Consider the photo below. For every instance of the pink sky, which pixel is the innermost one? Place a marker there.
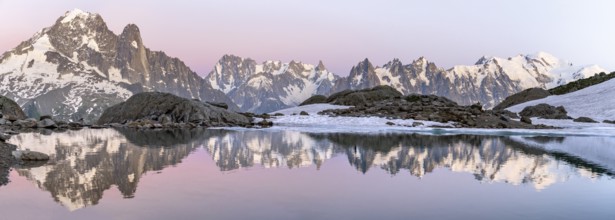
(342, 33)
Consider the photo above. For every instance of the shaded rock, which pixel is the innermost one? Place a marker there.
(390, 123)
(521, 97)
(303, 113)
(179, 110)
(4, 137)
(278, 114)
(526, 120)
(30, 155)
(585, 120)
(46, 123)
(10, 109)
(44, 117)
(416, 124)
(317, 99)
(361, 97)
(609, 121)
(218, 104)
(4, 122)
(27, 123)
(265, 124)
(545, 111)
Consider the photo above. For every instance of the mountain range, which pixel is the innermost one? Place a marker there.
(78, 67)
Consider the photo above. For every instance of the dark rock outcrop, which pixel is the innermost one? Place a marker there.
(521, 97)
(10, 110)
(545, 111)
(585, 120)
(149, 108)
(609, 121)
(317, 99)
(434, 108)
(364, 96)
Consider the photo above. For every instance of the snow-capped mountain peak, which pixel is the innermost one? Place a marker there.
(74, 14)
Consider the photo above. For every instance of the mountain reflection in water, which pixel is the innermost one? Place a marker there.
(85, 163)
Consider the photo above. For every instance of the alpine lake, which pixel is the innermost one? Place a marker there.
(285, 174)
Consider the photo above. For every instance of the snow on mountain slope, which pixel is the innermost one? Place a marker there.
(78, 67)
(271, 85)
(595, 102)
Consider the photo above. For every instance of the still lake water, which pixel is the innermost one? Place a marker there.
(260, 174)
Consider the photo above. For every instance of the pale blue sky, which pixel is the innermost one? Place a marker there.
(343, 32)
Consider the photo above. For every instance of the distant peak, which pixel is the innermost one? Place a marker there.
(421, 60)
(131, 28)
(482, 60)
(321, 66)
(75, 13)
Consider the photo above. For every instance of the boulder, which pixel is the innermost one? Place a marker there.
(28, 155)
(10, 109)
(609, 121)
(303, 113)
(317, 99)
(545, 111)
(521, 97)
(44, 117)
(585, 120)
(46, 123)
(180, 110)
(26, 123)
(4, 137)
(526, 120)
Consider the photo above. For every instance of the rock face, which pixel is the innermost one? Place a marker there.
(78, 67)
(521, 97)
(271, 85)
(431, 108)
(314, 100)
(585, 120)
(166, 108)
(545, 111)
(10, 110)
(364, 96)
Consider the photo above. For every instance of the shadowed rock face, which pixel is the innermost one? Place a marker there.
(155, 105)
(521, 97)
(545, 111)
(10, 109)
(78, 67)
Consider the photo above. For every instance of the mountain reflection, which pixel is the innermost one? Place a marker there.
(488, 158)
(85, 163)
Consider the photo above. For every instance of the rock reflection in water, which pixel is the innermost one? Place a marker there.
(86, 163)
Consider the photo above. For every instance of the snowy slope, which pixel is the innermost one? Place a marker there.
(595, 102)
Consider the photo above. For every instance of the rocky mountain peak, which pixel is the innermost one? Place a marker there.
(321, 66)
